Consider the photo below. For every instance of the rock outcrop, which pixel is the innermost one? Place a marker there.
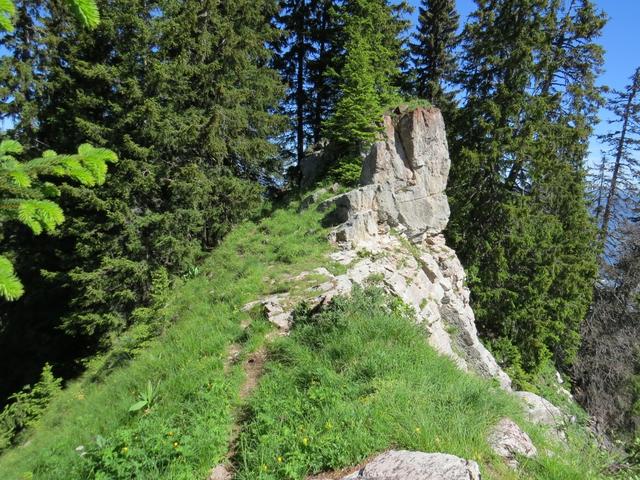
(389, 232)
(405, 465)
(395, 220)
(403, 182)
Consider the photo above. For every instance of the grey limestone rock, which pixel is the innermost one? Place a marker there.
(405, 465)
(508, 441)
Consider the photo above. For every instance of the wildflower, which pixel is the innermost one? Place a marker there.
(305, 441)
(175, 444)
(125, 450)
(264, 468)
(170, 434)
(279, 459)
(417, 429)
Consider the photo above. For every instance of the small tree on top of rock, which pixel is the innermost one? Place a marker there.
(368, 79)
(432, 52)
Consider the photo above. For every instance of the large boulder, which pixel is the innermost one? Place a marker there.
(405, 465)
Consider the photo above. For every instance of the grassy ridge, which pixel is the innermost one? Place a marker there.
(359, 378)
(353, 381)
(186, 430)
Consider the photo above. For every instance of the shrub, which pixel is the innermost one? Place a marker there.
(27, 406)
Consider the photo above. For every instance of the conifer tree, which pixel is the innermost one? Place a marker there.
(432, 52)
(305, 53)
(524, 232)
(183, 93)
(622, 166)
(292, 61)
(370, 77)
(24, 197)
(327, 41)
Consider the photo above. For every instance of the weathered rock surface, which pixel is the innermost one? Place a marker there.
(508, 441)
(541, 411)
(404, 177)
(405, 465)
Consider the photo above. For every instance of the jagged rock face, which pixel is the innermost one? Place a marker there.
(403, 180)
(405, 465)
(409, 169)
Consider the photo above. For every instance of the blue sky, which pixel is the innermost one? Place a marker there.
(620, 38)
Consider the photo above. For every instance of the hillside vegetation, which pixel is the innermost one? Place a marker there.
(354, 380)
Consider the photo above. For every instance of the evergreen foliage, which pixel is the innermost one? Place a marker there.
(369, 78)
(433, 52)
(27, 406)
(519, 214)
(307, 50)
(30, 204)
(183, 93)
(25, 197)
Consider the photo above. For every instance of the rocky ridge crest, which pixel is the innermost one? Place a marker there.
(395, 220)
(389, 231)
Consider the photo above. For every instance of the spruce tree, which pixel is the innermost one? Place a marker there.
(183, 93)
(369, 79)
(432, 52)
(291, 61)
(304, 54)
(24, 196)
(327, 39)
(524, 231)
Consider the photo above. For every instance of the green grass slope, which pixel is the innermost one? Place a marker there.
(355, 380)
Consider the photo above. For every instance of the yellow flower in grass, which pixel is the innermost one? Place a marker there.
(280, 459)
(417, 429)
(125, 450)
(175, 444)
(170, 434)
(305, 441)
(264, 468)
